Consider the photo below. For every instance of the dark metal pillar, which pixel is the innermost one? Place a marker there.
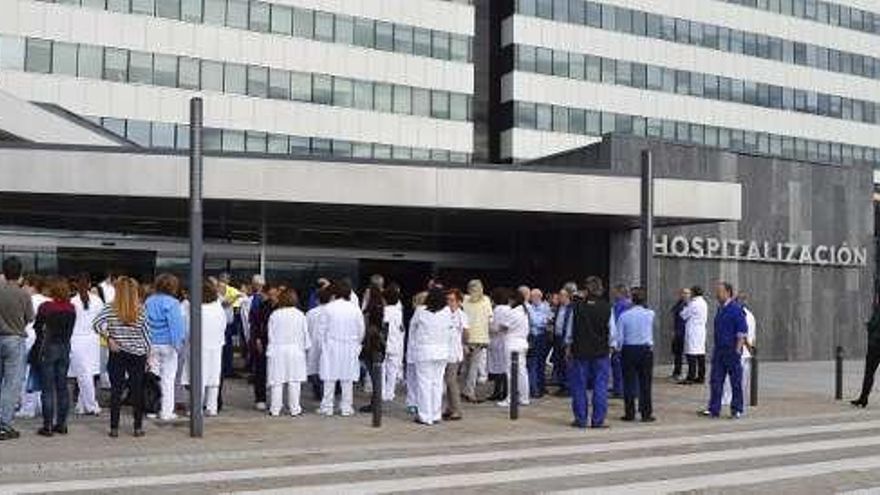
(196, 256)
(647, 224)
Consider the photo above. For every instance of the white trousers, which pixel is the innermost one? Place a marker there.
(390, 374)
(345, 403)
(277, 396)
(86, 403)
(211, 394)
(476, 371)
(727, 393)
(412, 386)
(430, 384)
(164, 358)
(522, 377)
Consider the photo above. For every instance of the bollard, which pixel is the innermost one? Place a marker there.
(753, 380)
(513, 386)
(376, 402)
(838, 373)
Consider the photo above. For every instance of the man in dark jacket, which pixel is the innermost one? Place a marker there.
(678, 335)
(587, 348)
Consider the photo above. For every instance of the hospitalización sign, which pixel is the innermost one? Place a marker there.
(719, 248)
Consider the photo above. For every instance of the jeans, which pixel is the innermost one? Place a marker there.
(559, 366)
(53, 364)
(677, 353)
(126, 369)
(11, 379)
(165, 357)
(581, 372)
(638, 369)
(726, 364)
(536, 362)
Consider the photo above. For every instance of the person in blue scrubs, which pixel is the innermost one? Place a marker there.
(561, 327)
(731, 330)
(539, 317)
(635, 331)
(622, 302)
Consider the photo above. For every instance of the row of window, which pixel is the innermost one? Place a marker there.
(640, 23)
(176, 136)
(653, 77)
(820, 11)
(555, 118)
(274, 18)
(114, 64)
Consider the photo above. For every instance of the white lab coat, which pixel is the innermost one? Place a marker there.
(695, 315)
(429, 335)
(751, 324)
(496, 355)
(317, 322)
(394, 318)
(288, 342)
(459, 321)
(213, 340)
(341, 344)
(85, 345)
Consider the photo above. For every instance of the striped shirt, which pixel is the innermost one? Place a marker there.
(133, 339)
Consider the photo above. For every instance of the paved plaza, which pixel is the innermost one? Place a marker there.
(798, 440)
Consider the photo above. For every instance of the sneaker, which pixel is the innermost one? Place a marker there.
(347, 413)
(503, 403)
(707, 414)
(210, 414)
(412, 410)
(152, 416)
(296, 412)
(8, 433)
(325, 412)
(260, 406)
(274, 414)
(737, 415)
(170, 417)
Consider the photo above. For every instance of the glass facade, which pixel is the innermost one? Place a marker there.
(590, 122)
(284, 20)
(131, 66)
(830, 13)
(571, 65)
(640, 23)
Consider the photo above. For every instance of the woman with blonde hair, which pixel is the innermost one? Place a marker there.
(124, 324)
(478, 310)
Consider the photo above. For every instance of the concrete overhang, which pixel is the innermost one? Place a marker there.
(113, 172)
(40, 124)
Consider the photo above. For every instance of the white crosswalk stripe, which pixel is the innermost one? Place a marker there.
(470, 470)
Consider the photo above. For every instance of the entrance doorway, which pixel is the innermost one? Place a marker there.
(412, 276)
(98, 262)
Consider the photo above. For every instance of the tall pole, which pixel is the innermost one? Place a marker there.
(196, 257)
(647, 223)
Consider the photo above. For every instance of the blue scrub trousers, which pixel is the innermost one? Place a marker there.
(536, 361)
(616, 374)
(559, 366)
(638, 369)
(726, 364)
(580, 373)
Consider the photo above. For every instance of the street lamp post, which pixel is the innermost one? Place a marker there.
(196, 256)
(646, 222)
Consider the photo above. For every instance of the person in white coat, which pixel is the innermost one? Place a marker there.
(695, 315)
(213, 340)
(747, 350)
(85, 346)
(429, 347)
(317, 322)
(340, 349)
(511, 322)
(286, 353)
(391, 367)
(30, 401)
(496, 362)
(410, 375)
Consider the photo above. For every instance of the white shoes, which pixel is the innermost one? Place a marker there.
(325, 412)
(260, 406)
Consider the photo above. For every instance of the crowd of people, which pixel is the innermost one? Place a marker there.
(120, 333)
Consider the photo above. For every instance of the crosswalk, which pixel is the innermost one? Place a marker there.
(809, 456)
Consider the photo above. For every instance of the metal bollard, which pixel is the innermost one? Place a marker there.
(753, 382)
(838, 373)
(376, 401)
(514, 386)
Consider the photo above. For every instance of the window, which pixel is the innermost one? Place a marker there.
(138, 132)
(163, 135)
(623, 73)
(277, 144)
(440, 45)
(344, 29)
(299, 145)
(594, 14)
(384, 36)
(12, 53)
(322, 89)
(682, 82)
(279, 84)
(655, 78)
(608, 70)
(459, 47)
(255, 142)
(576, 121)
(343, 92)
(303, 23)
(191, 10)
(170, 9)
(363, 95)
(440, 104)
(341, 148)
(118, 6)
(594, 123)
(639, 76)
(215, 12)
(458, 107)
(140, 67)
(593, 68)
(363, 33)
(560, 63)
(362, 150)
(259, 19)
(64, 58)
(382, 97)
(282, 19)
(654, 26)
(544, 9)
(543, 117)
(525, 115)
(323, 26)
(576, 66)
(165, 70)
(89, 61)
(607, 122)
(560, 119)
(212, 76)
(38, 56)
(623, 20)
(421, 102)
(115, 64)
(233, 140)
(403, 39)
(422, 42)
(608, 16)
(322, 147)
(560, 10)
(237, 14)
(402, 99)
(682, 31)
(143, 7)
(235, 79)
(544, 60)
(668, 80)
(526, 7)
(212, 139)
(188, 73)
(525, 58)
(301, 86)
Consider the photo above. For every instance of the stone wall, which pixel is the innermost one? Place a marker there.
(802, 311)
